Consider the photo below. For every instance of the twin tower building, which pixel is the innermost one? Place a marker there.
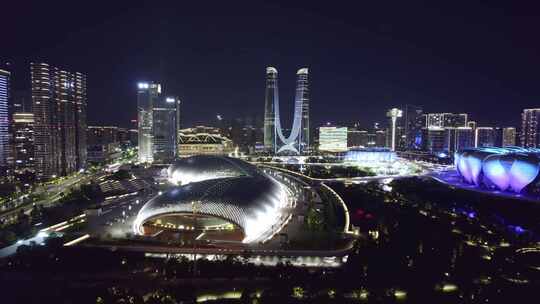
(296, 141)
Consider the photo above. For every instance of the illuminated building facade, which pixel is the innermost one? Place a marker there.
(357, 138)
(59, 107)
(298, 140)
(413, 121)
(23, 142)
(333, 139)
(530, 128)
(101, 135)
(4, 117)
(164, 119)
(269, 111)
(510, 169)
(203, 141)
(508, 137)
(446, 120)
(434, 139)
(103, 144)
(302, 94)
(147, 95)
(484, 137)
(457, 139)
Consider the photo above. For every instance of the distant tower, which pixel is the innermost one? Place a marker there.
(271, 95)
(413, 126)
(302, 94)
(298, 139)
(393, 114)
(530, 128)
(147, 97)
(164, 117)
(4, 119)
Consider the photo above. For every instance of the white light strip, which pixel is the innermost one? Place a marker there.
(77, 240)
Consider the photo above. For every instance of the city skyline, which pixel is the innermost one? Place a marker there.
(146, 155)
(386, 80)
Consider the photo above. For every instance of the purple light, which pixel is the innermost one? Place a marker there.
(522, 173)
(519, 230)
(496, 172)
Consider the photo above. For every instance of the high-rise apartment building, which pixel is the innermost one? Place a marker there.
(530, 128)
(147, 95)
(457, 139)
(59, 107)
(484, 137)
(508, 137)
(23, 142)
(4, 118)
(101, 135)
(446, 120)
(164, 115)
(434, 139)
(505, 137)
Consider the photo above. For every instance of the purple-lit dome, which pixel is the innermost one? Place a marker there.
(506, 169)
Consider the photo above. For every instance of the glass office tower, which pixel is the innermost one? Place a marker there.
(147, 95)
(164, 128)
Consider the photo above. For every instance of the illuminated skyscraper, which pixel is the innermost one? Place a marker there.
(59, 106)
(302, 94)
(23, 142)
(457, 139)
(484, 137)
(164, 117)
(508, 137)
(530, 126)
(4, 118)
(299, 138)
(269, 112)
(147, 96)
(412, 126)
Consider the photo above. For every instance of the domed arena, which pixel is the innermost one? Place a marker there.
(512, 169)
(215, 198)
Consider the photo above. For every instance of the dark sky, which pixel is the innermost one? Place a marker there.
(483, 59)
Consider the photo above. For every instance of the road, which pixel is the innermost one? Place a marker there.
(53, 193)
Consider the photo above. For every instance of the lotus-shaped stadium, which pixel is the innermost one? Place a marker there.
(505, 169)
(216, 198)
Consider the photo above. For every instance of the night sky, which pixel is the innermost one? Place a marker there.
(483, 59)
